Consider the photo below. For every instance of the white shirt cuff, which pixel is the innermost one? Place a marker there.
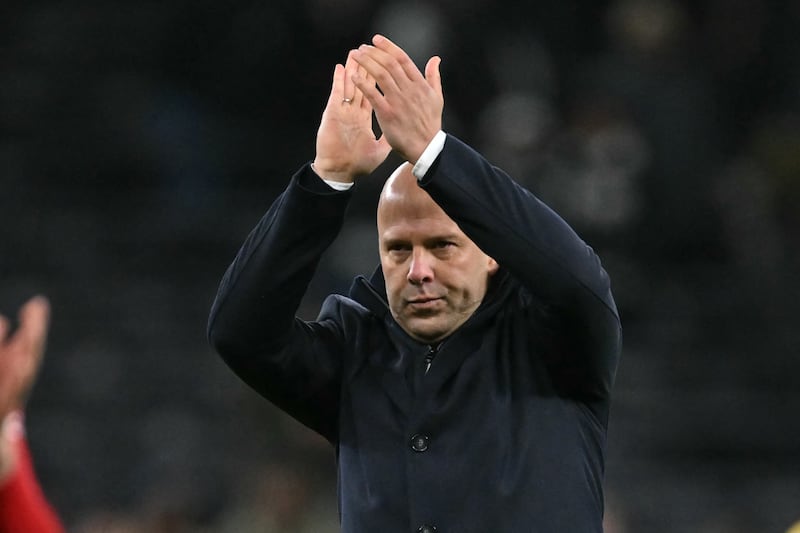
(338, 185)
(430, 154)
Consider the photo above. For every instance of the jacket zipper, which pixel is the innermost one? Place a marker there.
(432, 351)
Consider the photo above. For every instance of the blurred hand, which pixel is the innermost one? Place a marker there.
(408, 105)
(346, 143)
(20, 357)
(21, 353)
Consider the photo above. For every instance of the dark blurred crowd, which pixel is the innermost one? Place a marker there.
(139, 142)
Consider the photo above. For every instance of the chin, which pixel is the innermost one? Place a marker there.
(428, 336)
(424, 329)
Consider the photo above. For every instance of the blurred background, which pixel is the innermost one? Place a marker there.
(140, 141)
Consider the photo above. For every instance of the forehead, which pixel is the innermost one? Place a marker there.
(413, 215)
(420, 230)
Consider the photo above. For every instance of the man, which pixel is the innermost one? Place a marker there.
(23, 506)
(465, 385)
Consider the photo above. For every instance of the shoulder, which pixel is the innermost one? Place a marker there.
(345, 311)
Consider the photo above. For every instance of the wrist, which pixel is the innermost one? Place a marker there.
(12, 430)
(329, 174)
(429, 155)
(416, 152)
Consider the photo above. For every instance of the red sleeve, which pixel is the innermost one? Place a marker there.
(23, 506)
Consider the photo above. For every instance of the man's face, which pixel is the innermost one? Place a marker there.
(436, 277)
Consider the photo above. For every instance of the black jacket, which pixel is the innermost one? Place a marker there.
(506, 432)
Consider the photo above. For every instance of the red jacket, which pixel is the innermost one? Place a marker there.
(23, 506)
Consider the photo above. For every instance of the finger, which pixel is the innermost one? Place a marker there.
(382, 67)
(366, 84)
(34, 320)
(402, 59)
(433, 75)
(362, 100)
(348, 89)
(337, 85)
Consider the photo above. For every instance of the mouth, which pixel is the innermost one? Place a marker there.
(424, 303)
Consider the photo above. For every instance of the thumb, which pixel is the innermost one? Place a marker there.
(34, 320)
(383, 146)
(432, 74)
(4, 327)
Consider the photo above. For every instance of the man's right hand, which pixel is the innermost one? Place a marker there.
(408, 105)
(347, 147)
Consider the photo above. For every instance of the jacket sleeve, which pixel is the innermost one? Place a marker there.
(23, 505)
(540, 249)
(252, 324)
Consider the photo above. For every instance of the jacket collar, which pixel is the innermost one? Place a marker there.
(403, 383)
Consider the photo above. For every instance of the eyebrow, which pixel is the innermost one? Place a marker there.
(387, 241)
(445, 237)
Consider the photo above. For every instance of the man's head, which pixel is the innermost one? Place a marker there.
(436, 277)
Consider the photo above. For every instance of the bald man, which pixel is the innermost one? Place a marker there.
(435, 276)
(465, 384)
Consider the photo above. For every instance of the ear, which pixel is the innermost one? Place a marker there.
(493, 266)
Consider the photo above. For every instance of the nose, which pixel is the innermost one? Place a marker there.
(421, 269)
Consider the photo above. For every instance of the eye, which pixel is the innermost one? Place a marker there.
(443, 249)
(398, 249)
